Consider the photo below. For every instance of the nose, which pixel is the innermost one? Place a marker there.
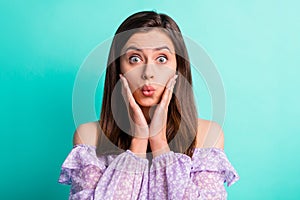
(148, 72)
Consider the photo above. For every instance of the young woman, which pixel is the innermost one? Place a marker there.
(148, 143)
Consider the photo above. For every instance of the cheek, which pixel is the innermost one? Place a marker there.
(161, 74)
(123, 68)
(164, 74)
(133, 77)
(124, 65)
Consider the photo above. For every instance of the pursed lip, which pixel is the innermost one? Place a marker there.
(148, 88)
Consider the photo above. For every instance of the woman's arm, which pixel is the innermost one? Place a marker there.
(138, 123)
(158, 127)
(139, 147)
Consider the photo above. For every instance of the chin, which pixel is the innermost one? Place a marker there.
(147, 102)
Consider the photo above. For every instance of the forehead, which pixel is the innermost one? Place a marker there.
(150, 40)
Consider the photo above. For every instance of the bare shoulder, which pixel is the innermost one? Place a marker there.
(87, 133)
(209, 128)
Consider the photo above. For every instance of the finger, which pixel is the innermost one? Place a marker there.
(168, 92)
(127, 92)
(167, 95)
(170, 81)
(138, 123)
(124, 92)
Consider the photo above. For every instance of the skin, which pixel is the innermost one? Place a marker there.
(148, 59)
(148, 114)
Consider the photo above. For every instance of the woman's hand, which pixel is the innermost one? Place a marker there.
(158, 138)
(138, 123)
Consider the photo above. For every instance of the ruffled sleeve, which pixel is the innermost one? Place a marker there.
(82, 170)
(93, 177)
(214, 160)
(210, 170)
(177, 176)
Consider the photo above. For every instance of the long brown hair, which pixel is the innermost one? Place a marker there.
(182, 112)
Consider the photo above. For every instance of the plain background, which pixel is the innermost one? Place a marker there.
(254, 44)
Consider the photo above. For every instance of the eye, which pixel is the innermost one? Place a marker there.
(134, 59)
(162, 59)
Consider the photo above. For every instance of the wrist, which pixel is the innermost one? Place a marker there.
(139, 146)
(158, 141)
(159, 147)
(161, 151)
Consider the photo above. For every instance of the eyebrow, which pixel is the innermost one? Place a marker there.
(139, 49)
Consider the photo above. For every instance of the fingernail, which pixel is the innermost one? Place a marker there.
(175, 76)
(169, 86)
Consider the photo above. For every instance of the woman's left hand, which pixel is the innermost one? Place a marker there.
(157, 130)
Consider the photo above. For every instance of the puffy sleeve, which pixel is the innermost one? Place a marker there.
(177, 176)
(112, 177)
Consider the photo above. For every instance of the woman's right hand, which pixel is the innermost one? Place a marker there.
(138, 124)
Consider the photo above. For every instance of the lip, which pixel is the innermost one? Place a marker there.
(148, 90)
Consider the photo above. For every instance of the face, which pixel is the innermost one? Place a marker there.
(148, 61)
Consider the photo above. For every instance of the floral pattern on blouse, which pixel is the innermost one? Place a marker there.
(126, 176)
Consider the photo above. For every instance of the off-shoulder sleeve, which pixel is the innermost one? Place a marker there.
(176, 175)
(92, 177)
(210, 170)
(214, 160)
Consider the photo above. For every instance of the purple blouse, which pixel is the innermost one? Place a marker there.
(127, 176)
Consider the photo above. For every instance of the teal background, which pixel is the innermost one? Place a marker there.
(254, 44)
